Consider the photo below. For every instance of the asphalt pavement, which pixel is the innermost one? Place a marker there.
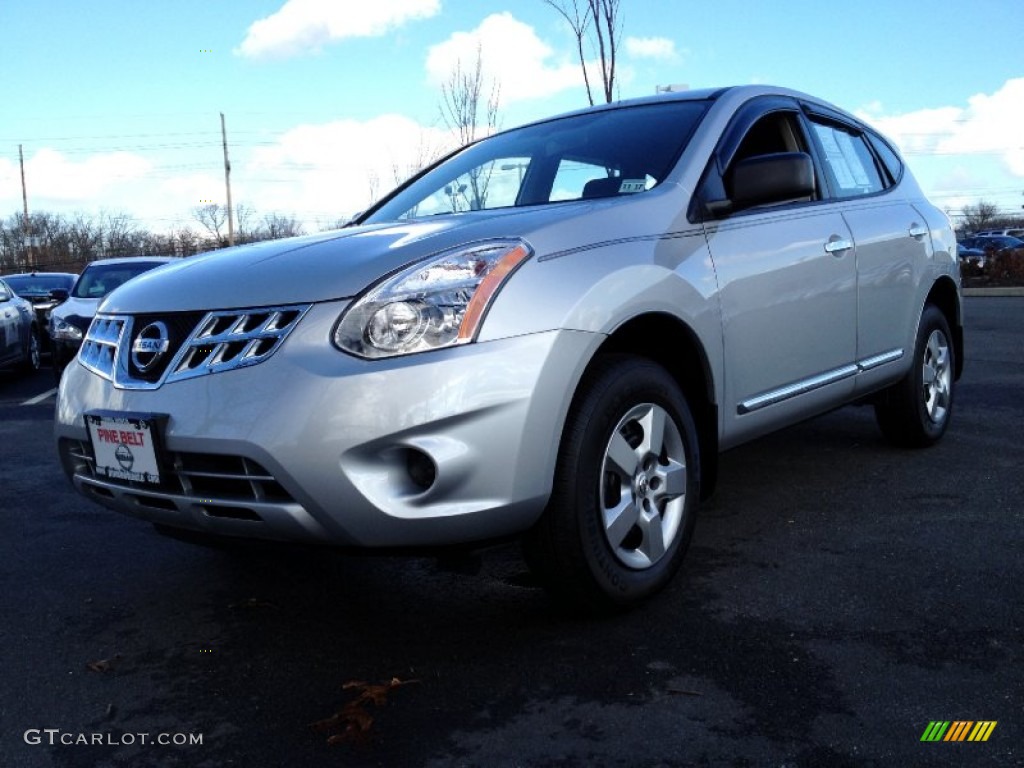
(839, 597)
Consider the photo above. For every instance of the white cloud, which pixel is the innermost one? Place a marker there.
(513, 55)
(335, 169)
(320, 173)
(301, 26)
(52, 176)
(183, 193)
(10, 183)
(990, 124)
(650, 48)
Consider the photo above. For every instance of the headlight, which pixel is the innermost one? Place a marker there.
(435, 303)
(64, 331)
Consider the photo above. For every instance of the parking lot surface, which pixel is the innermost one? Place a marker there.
(839, 596)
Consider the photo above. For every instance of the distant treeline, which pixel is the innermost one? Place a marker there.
(54, 242)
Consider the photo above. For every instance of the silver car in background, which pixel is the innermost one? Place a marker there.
(551, 333)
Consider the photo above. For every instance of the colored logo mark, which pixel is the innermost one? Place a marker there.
(959, 730)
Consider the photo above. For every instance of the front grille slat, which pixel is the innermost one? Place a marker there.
(197, 344)
(227, 476)
(223, 478)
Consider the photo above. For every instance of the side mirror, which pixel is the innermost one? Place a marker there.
(59, 294)
(775, 178)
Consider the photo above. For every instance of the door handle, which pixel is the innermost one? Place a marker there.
(916, 230)
(837, 245)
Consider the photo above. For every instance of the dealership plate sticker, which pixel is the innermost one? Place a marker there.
(124, 446)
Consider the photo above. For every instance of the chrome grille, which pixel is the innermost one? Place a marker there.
(226, 340)
(199, 345)
(100, 348)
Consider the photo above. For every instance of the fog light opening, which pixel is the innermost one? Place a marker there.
(421, 468)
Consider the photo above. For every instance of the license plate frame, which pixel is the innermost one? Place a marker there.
(127, 446)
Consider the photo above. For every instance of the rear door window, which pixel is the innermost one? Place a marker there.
(848, 161)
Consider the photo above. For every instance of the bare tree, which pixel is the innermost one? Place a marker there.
(276, 226)
(979, 216)
(85, 237)
(461, 105)
(462, 97)
(121, 235)
(597, 23)
(213, 217)
(373, 182)
(246, 226)
(186, 242)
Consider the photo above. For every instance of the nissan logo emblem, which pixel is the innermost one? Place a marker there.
(150, 345)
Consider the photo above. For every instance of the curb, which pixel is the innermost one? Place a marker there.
(1000, 291)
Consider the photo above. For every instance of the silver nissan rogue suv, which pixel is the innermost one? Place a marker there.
(551, 333)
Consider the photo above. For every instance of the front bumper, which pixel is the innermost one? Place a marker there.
(432, 449)
(63, 351)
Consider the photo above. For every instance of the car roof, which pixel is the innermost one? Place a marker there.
(132, 259)
(40, 274)
(739, 92)
(699, 94)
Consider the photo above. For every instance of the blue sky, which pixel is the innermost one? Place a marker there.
(327, 102)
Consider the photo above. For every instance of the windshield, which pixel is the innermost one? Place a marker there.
(100, 279)
(39, 285)
(605, 153)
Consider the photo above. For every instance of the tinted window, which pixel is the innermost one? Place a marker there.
(848, 161)
(625, 151)
(38, 284)
(100, 279)
(888, 156)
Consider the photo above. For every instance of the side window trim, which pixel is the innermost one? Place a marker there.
(890, 176)
(745, 119)
(877, 144)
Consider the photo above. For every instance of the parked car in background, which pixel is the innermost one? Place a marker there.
(70, 320)
(550, 333)
(973, 257)
(1017, 232)
(19, 331)
(44, 290)
(995, 243)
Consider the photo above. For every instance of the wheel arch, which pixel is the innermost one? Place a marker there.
(946, 297)
(670, 342)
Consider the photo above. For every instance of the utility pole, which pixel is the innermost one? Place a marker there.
(227, 182)
(30, 258)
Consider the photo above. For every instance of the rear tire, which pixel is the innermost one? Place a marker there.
(626, 489)
(915, 412)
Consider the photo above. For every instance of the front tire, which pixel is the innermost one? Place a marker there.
(33, 357)
(915, 412)
(626, 488)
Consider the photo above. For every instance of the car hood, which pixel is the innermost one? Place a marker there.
(296, 270)
(314, 268)
(75, 307)
(36, 297)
